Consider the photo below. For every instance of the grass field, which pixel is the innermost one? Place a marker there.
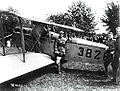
(70, 80)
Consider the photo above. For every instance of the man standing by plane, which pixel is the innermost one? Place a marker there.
(109, 52)
(60, 50)
(114, 59)
(115, 63)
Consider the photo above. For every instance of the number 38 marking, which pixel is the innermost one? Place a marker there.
(89, 53)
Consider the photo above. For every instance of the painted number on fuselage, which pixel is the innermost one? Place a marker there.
(81, 51)
(97, 52)
(89, 53)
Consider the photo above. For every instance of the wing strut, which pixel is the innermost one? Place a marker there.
(2, 32)
(22, 38)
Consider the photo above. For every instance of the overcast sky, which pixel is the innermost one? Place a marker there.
(43, 8)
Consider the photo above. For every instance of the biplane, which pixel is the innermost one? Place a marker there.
(76, 49)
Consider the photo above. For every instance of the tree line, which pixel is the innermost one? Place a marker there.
(78, 15)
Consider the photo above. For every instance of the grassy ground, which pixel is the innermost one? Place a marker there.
(70, 80)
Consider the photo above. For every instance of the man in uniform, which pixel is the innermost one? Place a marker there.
(115, 63)
(109, 52)
(114, 59)
(60, 50)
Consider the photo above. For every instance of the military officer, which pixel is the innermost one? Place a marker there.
(115, 62)
(60, 50)
(109, 52)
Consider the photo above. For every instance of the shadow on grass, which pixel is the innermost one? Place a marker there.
(92, 78)
(86, 73)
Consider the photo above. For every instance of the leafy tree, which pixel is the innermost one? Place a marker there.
(111, 17)
(82, 17)
(78, 15)
(61, 18)
(9, 21)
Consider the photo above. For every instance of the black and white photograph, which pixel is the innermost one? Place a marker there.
(60, 45)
